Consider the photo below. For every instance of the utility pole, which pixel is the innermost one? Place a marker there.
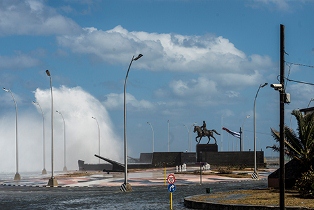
(282, 118)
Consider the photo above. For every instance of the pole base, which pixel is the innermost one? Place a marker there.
(52, 182)
(17, 177)
(255, 176)
(65, 169)
(44, 171)
(126, 187)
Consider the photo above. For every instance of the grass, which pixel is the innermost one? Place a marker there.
(263, 197)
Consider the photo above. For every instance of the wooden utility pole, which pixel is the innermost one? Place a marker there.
(282, 118)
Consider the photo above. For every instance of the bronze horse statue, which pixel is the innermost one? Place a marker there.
(208, 133)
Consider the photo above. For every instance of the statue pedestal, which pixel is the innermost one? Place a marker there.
(202, 149)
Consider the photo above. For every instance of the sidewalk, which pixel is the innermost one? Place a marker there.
(148, 177)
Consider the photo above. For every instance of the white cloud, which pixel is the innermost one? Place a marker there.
(278, 4)
(300, 92)
(238, 80)
(227, 113)
(116, 101)
(32, 17)
(232, 94)
(198, 54)
(199, 86)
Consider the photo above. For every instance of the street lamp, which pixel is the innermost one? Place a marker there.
(260, 86)
(126, 186)
(242, 136)
(44, 161)
(17, 176)
(312, 99)
(98, 138)
(189, 142)
(64, 143)
(153, 133)
(168, 135)
(189, 135)
(52, 181)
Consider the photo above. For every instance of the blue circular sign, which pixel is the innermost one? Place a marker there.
(171, 188)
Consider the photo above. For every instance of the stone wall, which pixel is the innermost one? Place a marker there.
(242, 159)
(209, 153)
(170, 159)
(188, 158)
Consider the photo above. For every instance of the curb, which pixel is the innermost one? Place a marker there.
(45, 186)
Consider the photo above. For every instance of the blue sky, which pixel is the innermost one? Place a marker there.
(203, 60)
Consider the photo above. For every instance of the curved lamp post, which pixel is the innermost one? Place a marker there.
(98, 138)
(17, 176)
(312, 99)
(64, 143)
(153, 134)
(52, 181)
(189, 141)
(242, 129)
(168, 135)
(126, 185)
(44, 161)
(189, 135)
(260, 86)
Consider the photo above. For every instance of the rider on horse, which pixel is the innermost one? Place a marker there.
(204, 128)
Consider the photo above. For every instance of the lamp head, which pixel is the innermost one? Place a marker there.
(6, 90)
(138, 57)
(48, 73)
(264, 84)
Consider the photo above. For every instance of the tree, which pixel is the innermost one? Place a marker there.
(300, 145)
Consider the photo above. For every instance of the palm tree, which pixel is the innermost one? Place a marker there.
(300, 145)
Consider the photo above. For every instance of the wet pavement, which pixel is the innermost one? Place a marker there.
(102, 191)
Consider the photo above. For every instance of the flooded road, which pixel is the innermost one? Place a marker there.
(142, 197)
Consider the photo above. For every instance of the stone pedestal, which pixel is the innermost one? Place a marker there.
(202, 149)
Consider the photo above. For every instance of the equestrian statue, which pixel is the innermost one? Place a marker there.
(202, 131)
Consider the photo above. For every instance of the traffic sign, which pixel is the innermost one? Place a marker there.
(171, 188)
(171, 179)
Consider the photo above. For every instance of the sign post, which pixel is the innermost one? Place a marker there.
(201, 165)
(165, 174)
(171, 187)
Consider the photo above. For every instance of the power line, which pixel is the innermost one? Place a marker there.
(300, 64)
(297, 64)
(291, 80)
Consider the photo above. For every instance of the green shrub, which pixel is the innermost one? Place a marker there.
(305, 185)
(225, 170)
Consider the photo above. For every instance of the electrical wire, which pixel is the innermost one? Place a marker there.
(306, 83)
(289, 64)
(300, 64)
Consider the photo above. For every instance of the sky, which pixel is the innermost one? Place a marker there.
(202, 61)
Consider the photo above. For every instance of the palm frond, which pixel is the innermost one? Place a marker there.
(300, 144)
